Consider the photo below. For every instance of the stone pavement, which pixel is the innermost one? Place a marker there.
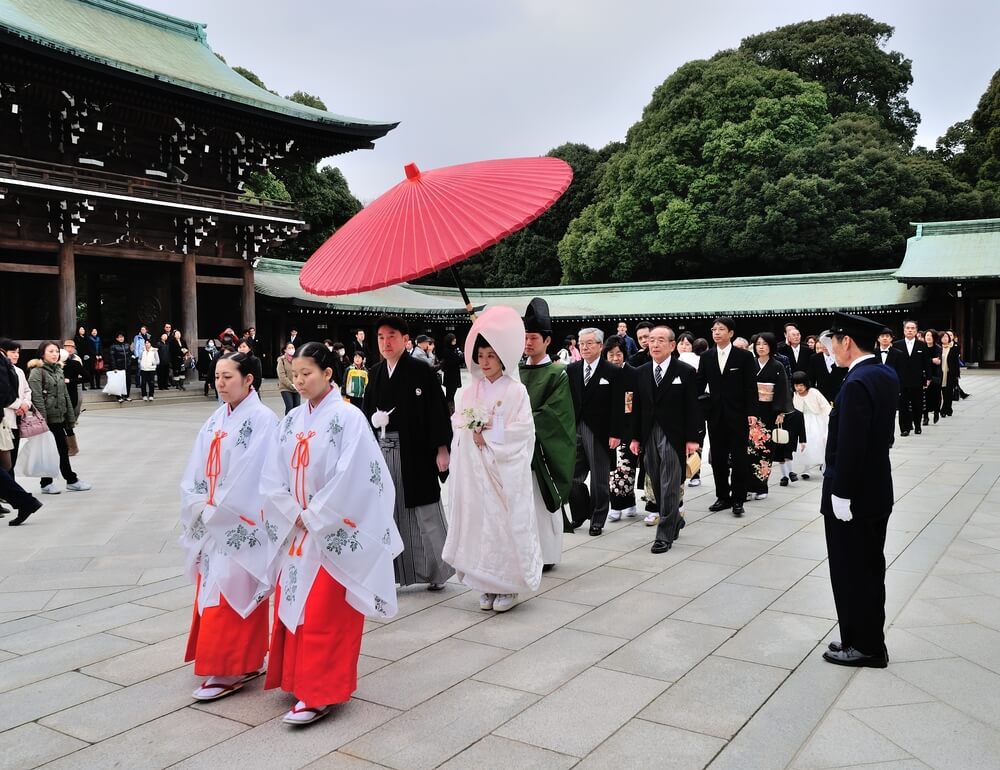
(705, 656)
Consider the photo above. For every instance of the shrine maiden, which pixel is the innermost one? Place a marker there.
(493, 540)
(326, 479)
(230, 545)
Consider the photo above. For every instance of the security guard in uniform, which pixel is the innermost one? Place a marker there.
(857, 492)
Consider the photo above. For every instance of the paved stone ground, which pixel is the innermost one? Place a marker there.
(705, 656)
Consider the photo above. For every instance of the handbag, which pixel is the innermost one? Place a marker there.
(72, 445)
(99, 364)
(33, 424)
(779, 436)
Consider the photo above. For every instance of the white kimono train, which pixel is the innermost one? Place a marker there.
(493, 540)
(326, 467)
(228, 541)
(816, 415)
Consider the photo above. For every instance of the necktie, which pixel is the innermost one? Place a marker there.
(722, 361)
(586, 375)
(658, 375)
(885, 355)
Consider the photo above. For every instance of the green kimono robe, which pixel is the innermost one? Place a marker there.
(555, 430)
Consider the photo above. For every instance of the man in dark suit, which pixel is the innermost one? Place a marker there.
(666, 422)
(857, 492)
(914, 375)
(824, 374)
(599, 404)
(886, 353)
(731, 376)
(642, 330)
(798, 355)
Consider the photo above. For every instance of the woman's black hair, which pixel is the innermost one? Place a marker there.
(7, 345)
(800, 378)
(612, 342)
(243, 363)
(686, 336)
(246, 341)
(482, 342)
(768, 338)
(323, 357)
(700, 345)
(449, 339)
(43, 345)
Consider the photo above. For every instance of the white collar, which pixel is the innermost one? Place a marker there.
(545, 360)
(859, 359)
(724, 351)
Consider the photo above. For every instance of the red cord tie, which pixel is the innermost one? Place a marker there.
(300, 461)
(213, 465)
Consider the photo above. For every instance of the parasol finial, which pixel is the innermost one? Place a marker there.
(412, 172)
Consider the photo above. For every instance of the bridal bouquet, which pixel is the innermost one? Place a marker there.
(475, 418)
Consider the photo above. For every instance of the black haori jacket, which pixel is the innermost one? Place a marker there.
(421, 418)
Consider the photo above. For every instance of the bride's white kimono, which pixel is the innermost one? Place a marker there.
(493, 540)
(230, 544)
(326, 467)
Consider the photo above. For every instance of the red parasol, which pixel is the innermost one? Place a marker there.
(433, 220)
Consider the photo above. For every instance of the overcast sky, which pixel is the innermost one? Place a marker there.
(476, 79)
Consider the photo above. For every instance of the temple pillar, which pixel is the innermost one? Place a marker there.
(189, 301)
(249, 303)
(67, 291)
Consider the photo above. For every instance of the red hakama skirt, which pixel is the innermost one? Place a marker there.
(319, 662)
(222, 643)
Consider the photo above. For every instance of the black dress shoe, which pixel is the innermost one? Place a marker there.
(917, 430)
(720, 505)
(905, 433)
(783, 482)
(660, 546)
(834, 647)
(855, 658)
(547, 567)
(793, 477)
(24, 512)
(738, 509)
(681, 524)
(595, 531)
(936, 418)
(926, 422)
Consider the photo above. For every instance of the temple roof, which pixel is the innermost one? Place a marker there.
(160, 47)
(950, 252)
(862, 291)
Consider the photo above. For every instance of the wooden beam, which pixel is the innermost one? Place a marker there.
(67, 289)
(249, 304)
(189, 300)
(51, 247)
(18, 267)
(148, 255)
(219, 280)
(220, 261)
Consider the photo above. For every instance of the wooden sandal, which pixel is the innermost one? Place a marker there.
(308, 714)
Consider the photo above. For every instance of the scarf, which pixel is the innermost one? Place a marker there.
(944, 364)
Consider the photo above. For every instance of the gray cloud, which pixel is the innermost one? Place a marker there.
(471, 79)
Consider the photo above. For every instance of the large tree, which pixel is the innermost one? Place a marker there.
(845, 55)
(971, 148)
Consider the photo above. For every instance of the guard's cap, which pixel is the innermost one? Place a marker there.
(862, 330)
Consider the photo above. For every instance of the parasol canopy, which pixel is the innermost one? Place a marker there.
(433, 220)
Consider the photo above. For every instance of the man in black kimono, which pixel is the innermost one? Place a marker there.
(406, 406)
(857, 492)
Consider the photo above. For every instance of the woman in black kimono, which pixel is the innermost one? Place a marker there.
(932, 393)
(773, 400)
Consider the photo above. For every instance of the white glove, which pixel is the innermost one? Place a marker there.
(842, 508)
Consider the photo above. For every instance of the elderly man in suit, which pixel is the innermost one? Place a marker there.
(857, 492)
(730, 375)
(666, 421)
(599, 405)
(914, 375)
(798, 355)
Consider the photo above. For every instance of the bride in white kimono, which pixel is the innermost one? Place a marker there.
(326, 477)
(230, 545)
(493, 540)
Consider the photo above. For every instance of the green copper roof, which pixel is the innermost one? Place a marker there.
(869, 290)
(951, 252)
(150, 44)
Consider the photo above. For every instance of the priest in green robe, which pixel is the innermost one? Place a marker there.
(555, 429)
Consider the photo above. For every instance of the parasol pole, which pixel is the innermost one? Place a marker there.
(465, 294)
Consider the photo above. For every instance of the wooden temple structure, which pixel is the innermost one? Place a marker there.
(125, 146)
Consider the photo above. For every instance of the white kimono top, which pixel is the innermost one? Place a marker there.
(229, 543)
(327, 467)
(493, 540)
